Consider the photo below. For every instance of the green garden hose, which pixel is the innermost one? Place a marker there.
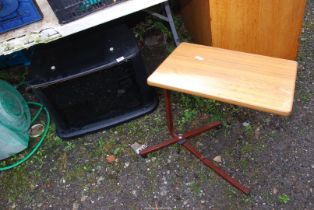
(41, 108)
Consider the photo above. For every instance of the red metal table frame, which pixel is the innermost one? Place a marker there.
(182, 140)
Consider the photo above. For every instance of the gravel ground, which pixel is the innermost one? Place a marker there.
(270, 154)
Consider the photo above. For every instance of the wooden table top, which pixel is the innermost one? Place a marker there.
(249, 80)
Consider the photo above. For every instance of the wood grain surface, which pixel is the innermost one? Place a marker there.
(196, 18)
(266, 27)
(254, 81)
(258, 26)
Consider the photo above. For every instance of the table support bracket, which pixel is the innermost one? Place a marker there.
(183, 141)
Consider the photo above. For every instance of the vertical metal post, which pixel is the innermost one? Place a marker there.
(169, 113)
(181, 139)
(171, 23)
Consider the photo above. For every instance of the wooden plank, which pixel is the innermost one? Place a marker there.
(254, 81)
(264, 27)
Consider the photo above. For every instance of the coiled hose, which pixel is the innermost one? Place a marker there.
(29, 155)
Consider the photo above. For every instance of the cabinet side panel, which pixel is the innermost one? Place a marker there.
(196, 17)
(258, 26)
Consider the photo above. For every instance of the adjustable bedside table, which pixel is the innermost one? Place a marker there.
(253, 81)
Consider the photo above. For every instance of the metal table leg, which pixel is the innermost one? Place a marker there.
(168, 18)
(182, 140)
(171, 23)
